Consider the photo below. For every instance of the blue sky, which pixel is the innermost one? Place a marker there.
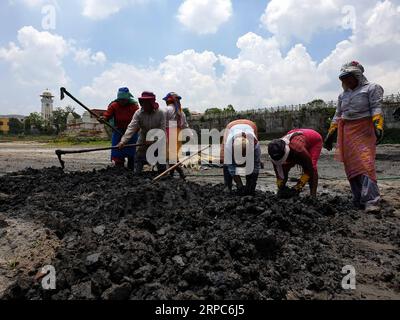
(141, 35)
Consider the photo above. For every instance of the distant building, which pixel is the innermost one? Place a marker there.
(196, 115)
(88, 126)
(47, 105)
(14, 116)
(4, 125)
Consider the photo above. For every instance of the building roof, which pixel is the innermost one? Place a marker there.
(98, 112)
(47, 94)
(15, 116)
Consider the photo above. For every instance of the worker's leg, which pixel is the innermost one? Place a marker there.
(228, 180)
(251, 183)
(118, 162)
(370, 195)
(356, 188)
(181, 173)
(140, 160)
(131, 163)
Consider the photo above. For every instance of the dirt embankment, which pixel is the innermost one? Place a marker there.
(115, 236)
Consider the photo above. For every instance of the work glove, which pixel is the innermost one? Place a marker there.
(280, 184)
(305, 178)
(102, 119)
(121, 145)
(328, 144)
(378, 124)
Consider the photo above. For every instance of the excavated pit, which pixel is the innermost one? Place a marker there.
(122, 237)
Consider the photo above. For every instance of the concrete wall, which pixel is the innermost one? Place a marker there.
(281, 120)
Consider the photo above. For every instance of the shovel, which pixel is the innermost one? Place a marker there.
(60, 153)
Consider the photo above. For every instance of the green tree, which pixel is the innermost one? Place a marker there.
(59, 119)
(187, 112)
(317, 103)
(230, 109)
(213, 111)
(16, 126)
(35, 121)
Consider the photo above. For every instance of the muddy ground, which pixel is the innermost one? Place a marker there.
(112, 236)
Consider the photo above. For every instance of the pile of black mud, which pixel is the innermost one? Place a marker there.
(126, 238)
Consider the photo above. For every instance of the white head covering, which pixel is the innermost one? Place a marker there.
(356, 69)
(279, 163)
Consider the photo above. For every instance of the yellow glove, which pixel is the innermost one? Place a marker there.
(333, 128)
(378, 121)
(305, 178)
(378, 124)
(328, 143)
(280, 183)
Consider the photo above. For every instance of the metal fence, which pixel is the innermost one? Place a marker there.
(317, 105)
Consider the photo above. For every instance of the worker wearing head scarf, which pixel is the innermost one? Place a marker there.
(359, 125)
(149, 117)
(176, 122)
(299, 147)
(241, 136)
(121, 111)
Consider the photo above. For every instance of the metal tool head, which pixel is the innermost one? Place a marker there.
(62, 93)
(59, 153)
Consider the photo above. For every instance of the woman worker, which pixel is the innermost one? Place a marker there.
(122, 111)
(359, 123)
(176, 122)
(149, 117)
(299, 147)
(240, 136)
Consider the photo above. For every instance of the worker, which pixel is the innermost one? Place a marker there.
(241, 135)
(359, 125)
(122, 111)
(299, 147)
(149, 117)
(176, 122)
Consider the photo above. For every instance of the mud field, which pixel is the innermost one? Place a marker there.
(110, 235)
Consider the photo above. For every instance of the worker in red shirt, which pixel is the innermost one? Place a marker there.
(122, 111)
(299, 147)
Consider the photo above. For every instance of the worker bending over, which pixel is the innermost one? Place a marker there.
(147, 118)
(241, 135)
(299, 147)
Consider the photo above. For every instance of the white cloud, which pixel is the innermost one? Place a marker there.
(302, 19)
(85, 57)
(101, 9)
(37, 58)
(261, 75)
(36, 61)
(204, 16)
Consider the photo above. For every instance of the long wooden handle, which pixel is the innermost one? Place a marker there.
(178, 164)
(64, 91)
(94, 150)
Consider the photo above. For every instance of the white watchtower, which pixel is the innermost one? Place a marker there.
(47, 105)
